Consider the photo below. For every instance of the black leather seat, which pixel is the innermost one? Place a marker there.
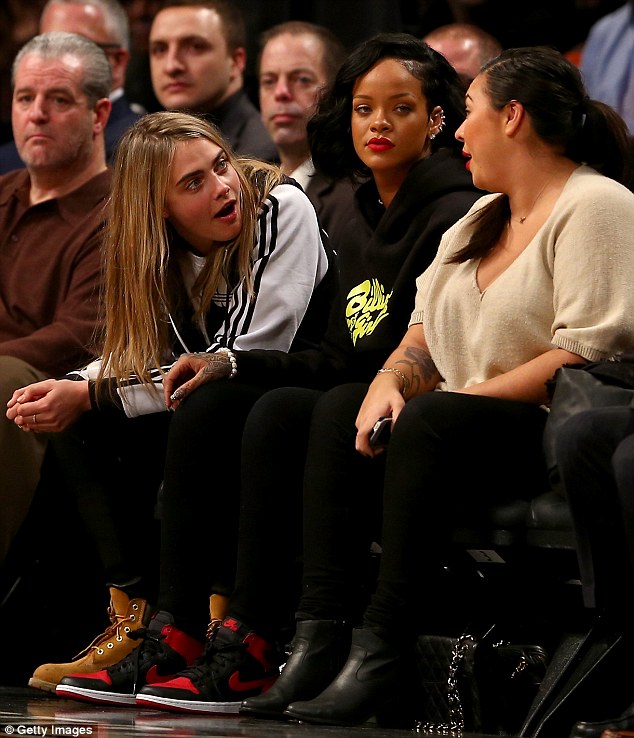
(542, 522)
(548, 522)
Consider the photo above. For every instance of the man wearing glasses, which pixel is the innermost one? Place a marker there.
(105, 22)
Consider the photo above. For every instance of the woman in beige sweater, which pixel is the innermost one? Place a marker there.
(533, 277)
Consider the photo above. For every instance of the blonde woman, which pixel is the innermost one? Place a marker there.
(203, 253)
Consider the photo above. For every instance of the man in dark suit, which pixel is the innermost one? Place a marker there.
(106, 23)
(197, 60)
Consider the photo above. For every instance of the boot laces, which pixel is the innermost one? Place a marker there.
(117, 621)
(151, 651)
(212, 627)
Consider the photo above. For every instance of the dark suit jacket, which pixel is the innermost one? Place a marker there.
(121, 118)
(240, 123)
(333, 203)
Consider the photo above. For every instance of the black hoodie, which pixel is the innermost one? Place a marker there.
(381, 253)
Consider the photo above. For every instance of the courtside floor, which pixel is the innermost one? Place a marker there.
(30, 712)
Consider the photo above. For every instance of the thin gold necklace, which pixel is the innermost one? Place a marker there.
(539, 194)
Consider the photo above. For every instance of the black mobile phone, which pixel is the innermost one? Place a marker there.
(381, 432)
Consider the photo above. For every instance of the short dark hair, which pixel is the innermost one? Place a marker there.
(233, 24)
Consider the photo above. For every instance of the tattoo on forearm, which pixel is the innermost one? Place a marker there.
(419, 365)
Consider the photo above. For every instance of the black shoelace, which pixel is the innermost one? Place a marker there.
(216, 660)
(150, 651)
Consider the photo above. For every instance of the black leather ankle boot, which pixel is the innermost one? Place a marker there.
(318, 651)
(596, 729)
(368, 681)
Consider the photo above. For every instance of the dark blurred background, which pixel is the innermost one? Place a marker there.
(560, 23)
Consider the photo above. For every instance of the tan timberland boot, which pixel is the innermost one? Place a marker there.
(108, 648)
(218, 611)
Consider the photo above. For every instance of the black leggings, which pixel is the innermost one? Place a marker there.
(113, 466)
(595, 457)
(200, 500)
(282, 435)
(450, 456)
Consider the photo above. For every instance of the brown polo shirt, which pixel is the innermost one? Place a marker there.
(50, 267)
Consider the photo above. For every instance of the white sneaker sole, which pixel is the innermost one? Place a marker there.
(167, 703)
(94, 695)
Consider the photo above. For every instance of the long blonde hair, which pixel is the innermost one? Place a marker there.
(137, 255)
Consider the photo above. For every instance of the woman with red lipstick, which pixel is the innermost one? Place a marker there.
(535, 276)
(205, 253)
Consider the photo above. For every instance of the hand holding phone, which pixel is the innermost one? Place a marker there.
(381, 432)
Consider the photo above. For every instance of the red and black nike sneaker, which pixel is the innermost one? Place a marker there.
(164, 651)
(236, 664)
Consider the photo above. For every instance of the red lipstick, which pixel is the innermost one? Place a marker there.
(380, 144)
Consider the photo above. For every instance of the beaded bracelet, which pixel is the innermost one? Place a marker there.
(232, 360)
(399, 374)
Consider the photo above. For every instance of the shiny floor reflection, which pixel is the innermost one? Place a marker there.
(30, 712)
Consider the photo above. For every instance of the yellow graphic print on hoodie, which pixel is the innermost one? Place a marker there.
(367, 306)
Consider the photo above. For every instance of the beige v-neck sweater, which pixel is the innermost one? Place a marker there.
(572, 288)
